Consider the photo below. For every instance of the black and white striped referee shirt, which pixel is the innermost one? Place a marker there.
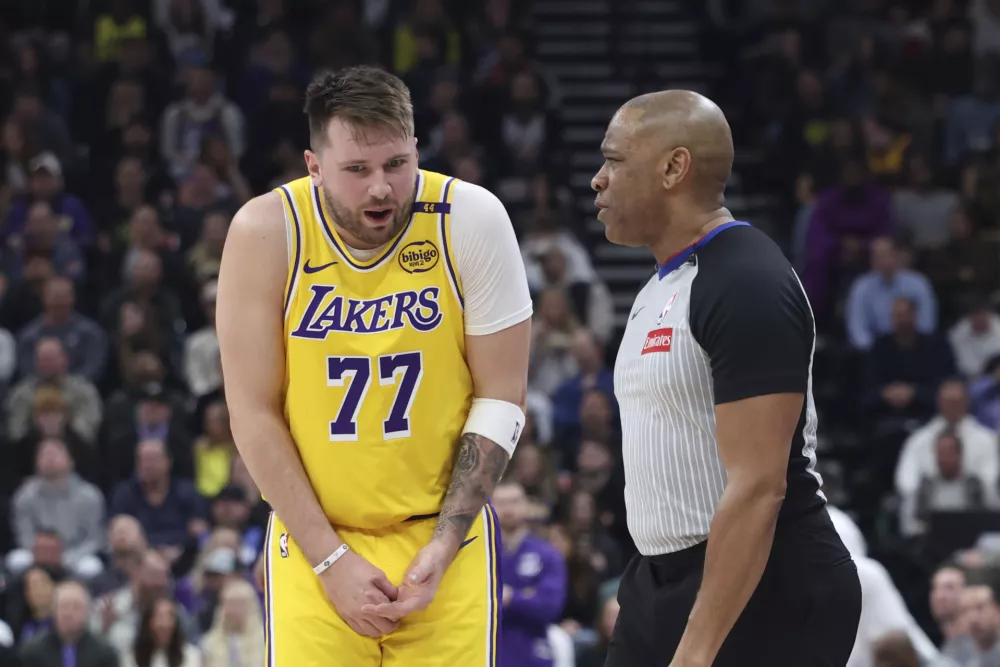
(724, 320)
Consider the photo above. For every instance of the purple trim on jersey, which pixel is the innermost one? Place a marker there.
(444, 239)
(298, 247)
(674, 262)
(497, 612)
(268, 636)
(346, 255)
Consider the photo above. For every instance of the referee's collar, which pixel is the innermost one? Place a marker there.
(675, 261)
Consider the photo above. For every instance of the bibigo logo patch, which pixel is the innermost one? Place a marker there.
(419, 257)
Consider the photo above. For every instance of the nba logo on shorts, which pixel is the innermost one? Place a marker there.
(283, 545)
(666, 309)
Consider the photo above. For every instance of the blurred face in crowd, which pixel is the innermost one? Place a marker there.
(582, 511)
(144, 229)
(948, 450)
(810, 89)
(163, 622)
(587, 352)
(135, 139)
(593, 465)
(72, 604)
(154, 577)
(884, 256)
(524, 93)
(125, 100)
(38, 592)
(904, 316)
(28, 107)
(980, 613)
(47, 550)
(980, 318)
(595, 411)
(455, 133)
(276, 52)
(511, 505)
(50, 359)
(236, 603)
(217, 422)
(152, 462)
(146, 368)
(53, 461)
(469, 170)
(42, 225)
(961, 227)
(953, 401)
(45, 185)
(368, 178)
(946, 592)
(444, 95)
(554, 266)
(59, 298)
(214, 228)
(200, 83)
(230, 512)
(13, 138)
(529, 464)
(147, 270)
(130, 176)
(553, 309)
(127, 543)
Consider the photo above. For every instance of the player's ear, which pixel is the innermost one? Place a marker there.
(675, 166)
(312, 165)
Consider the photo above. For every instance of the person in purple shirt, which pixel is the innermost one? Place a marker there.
(534, 590)
(844, 221)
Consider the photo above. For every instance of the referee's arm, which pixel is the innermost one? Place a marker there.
(753, 320)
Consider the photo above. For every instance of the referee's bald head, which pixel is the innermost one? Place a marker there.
(667, 153)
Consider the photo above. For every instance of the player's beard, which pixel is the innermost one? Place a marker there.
(353, 222)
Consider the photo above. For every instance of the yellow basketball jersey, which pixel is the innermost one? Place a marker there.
(377, 386)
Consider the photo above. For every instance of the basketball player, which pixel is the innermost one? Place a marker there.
(374, 321)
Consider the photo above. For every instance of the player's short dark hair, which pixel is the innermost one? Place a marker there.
(365, 97)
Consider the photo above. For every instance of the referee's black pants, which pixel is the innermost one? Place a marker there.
(804, 612)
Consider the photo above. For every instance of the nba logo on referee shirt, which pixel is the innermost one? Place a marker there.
(283, 545)
(666, 309)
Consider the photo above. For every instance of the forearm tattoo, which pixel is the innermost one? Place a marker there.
(480, 464)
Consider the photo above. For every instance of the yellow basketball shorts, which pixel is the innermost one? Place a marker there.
(458, 629)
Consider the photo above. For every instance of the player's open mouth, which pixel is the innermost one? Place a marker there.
(378, 215)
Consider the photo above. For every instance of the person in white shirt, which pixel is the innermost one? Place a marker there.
(980, 456)
(975, 339)
(882, 607)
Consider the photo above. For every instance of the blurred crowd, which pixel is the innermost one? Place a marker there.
(132, 131)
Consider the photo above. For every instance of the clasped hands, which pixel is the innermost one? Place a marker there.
(371, 604)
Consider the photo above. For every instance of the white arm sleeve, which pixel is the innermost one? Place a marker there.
(488, 262)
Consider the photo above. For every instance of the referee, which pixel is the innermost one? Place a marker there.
(739, 563)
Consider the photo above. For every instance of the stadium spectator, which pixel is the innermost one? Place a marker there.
(70, 640)
(534, 588)
(169, 509)
(56, 499)
(235, 628)
(160, 641)
(84, 343)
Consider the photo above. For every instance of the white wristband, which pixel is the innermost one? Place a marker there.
(497, 420)
(331, 559)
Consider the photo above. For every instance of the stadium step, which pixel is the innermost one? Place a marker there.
(605, 52)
